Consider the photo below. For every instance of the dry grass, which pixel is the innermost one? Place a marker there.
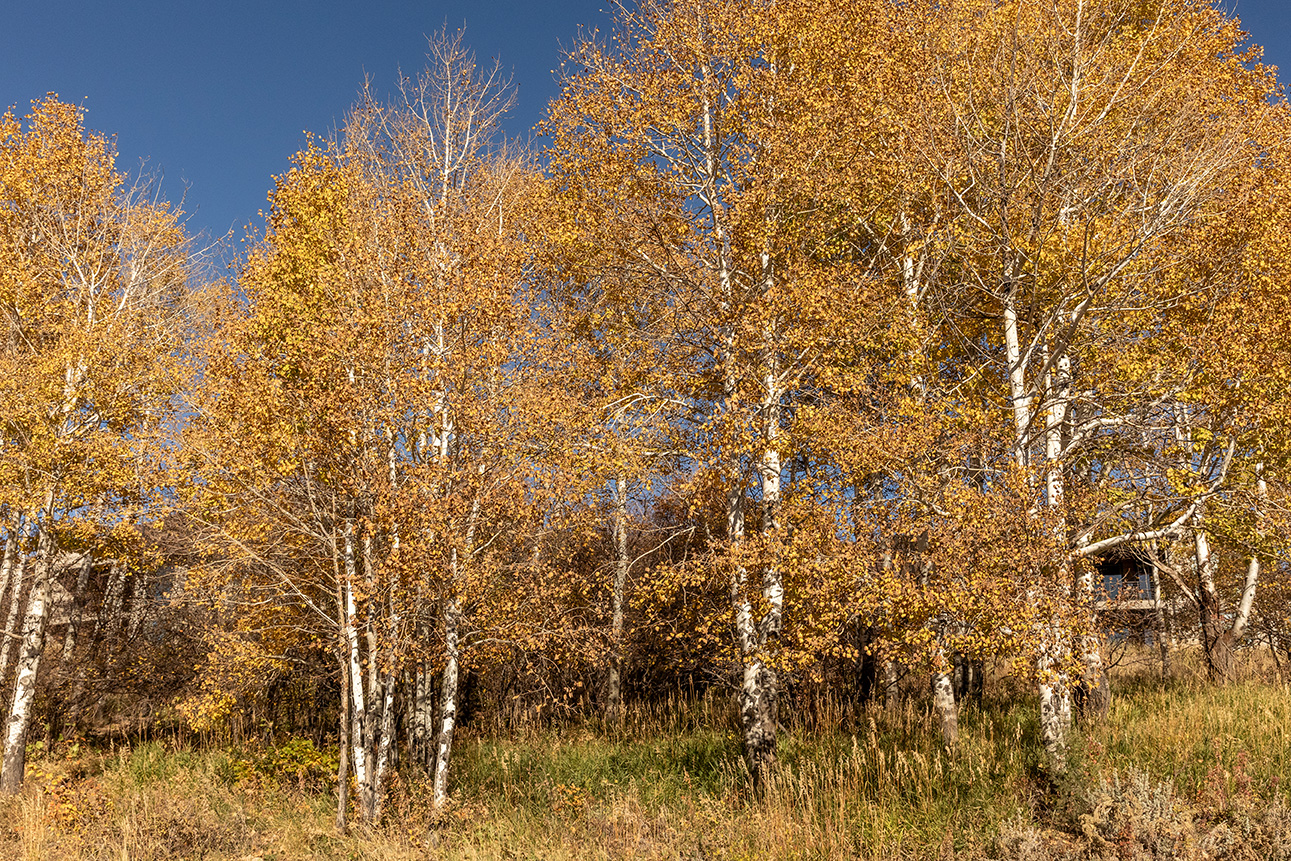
(1179, 767)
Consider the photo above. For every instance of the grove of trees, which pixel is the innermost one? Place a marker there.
(819, 346)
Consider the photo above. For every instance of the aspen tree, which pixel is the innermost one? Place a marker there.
(672, 134)
(1228, 424)
(15, 562)
(675, 180)
(480, 408)
(1040, 126)
(625, 444)
(92, 270)
(286, 491)
(374, 487)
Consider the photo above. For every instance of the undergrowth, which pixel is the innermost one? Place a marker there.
(1178, 770)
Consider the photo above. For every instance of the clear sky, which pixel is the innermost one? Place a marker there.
(217, 95)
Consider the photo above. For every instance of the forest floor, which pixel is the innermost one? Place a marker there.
(1180, 769)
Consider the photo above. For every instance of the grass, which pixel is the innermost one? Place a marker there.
(1188, 761)
(1204, 727)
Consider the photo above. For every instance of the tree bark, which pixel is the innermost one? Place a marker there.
(385, 736)
(359, 715)
(1054, 690)
(386, 749)
(33, 646)
(759, 717)
(8, 579)
(422, 718)
(1216, 639)
(1159, 614)
(372, 720)
(343, 759)
(1246, 604)
(138, 604)
(110, 620)
(891, 687)
(759, 684)
(1055, 710)
(74, 615)
(18, 576)
(1018, 398)
(1242, 618)
(759, 693)
(452, 656)
(943, 699)
(448, 705)
(613, 685)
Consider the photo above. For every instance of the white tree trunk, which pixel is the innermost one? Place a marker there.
(891, 687)
(17, 576)
(385, 736)
(1243, 616)
(1054, 688)
(448, 706)
(758, 683)
(759, 687)
(613, 685)
(1095, 692)
(8, 579)
(1159, 612)
(1247, 603)
(1058, 395)
(1216, 642)
(943, 699)
(343, 736)
(769, 469)
(33, 646)
(358, 710)
(452, 656)
(372, 720)
(1055, 715)
(138, 603)
(422, 717)
(1018, 397)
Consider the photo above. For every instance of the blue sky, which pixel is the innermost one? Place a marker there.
(217, 95)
